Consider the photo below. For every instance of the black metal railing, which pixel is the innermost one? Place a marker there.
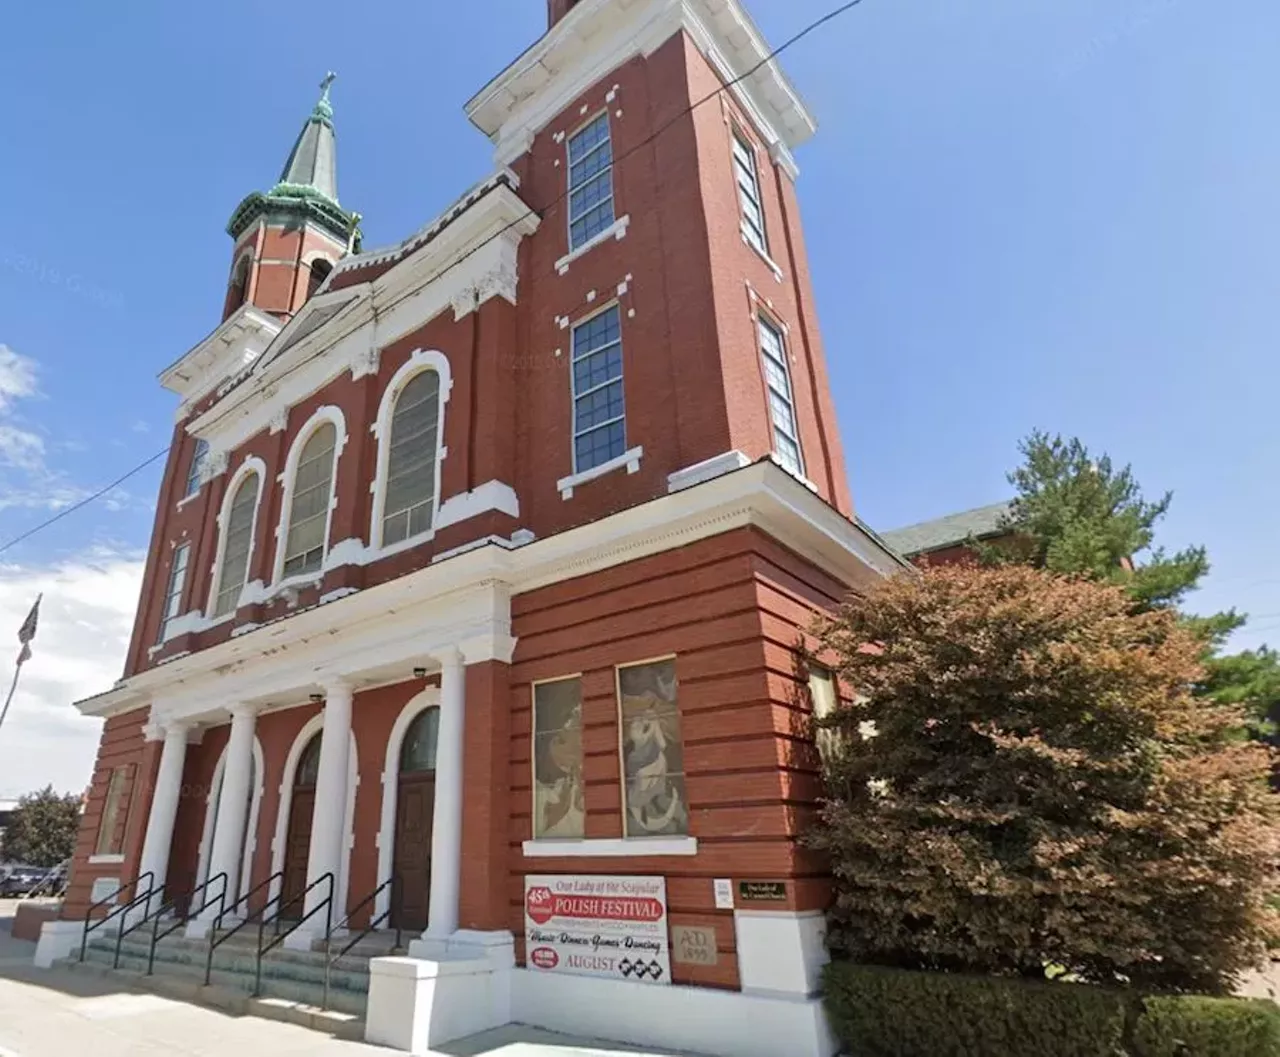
(216, 941)
(325, 904)
(93, 926)
(182, 919)
(391, 913)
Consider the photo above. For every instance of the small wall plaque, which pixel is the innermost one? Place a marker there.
(724, 893)
(693, 945)
(763, 891)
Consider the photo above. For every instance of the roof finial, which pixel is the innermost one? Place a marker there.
(324, 109)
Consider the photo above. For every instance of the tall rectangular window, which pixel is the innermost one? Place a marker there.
(599, 414)
(196, 470)
(114, 813)
(748, 177)
(824, 697)
(782, 408)
(654, 802)
(559, 806)
(590, 182)
(173, 593)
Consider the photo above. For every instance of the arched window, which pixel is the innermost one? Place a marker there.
(308, 772)
(239, 292)
(320, 269)
(198, 459)
(411, 462)
(309, 511)
(418, 751)
(237, 546)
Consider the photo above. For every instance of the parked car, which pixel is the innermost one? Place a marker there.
(19, 880)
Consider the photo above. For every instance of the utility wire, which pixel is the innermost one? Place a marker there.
(83, 503)
(830, 16)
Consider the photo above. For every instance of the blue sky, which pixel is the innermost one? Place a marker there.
(1020, 214)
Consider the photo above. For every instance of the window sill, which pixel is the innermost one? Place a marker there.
(106, 860)
(616, 230)
(190, 498)
(773, 457)
(773, 265)
(629, 459)
(611, 848)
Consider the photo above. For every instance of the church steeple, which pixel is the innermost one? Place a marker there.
(288, 238)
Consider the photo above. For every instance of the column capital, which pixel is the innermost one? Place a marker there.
(335, 684)
(158, 729)
(449, 656)
(242, 711)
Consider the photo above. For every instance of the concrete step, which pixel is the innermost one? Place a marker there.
(287, 979)
(341, 1025)
(305, 965)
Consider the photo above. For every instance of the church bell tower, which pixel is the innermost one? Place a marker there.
(288, 239)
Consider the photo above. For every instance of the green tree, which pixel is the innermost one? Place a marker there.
(42, 829)
(1079, 514)
(1026, 780)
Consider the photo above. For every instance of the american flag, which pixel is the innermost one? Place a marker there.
(28, 632)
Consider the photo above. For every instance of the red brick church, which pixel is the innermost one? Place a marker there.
(481, 563)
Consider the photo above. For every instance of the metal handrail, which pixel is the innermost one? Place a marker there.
(216, 941)
(88, 928)
(157, 935)
(325, 904)
(59, 873)
(331, 959)
(125, 928)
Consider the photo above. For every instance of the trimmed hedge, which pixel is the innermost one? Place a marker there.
(896, 1013)
(877, 1012)
(1192, 1026)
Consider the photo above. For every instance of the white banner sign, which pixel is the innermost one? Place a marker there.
(598, 926)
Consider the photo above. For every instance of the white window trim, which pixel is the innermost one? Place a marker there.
(629, 459)
(616, 230)
(763, 319)
(419, 360)
(171, 588)
(251, 464)
(740, 138)
(610, 848)
(330, 414)
(773, 265)
(201, 476)
(568, 178)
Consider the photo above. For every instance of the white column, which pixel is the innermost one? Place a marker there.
(329, 819)
(228, 836)
(164, 802)
(446, 837)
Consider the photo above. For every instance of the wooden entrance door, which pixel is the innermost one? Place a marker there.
(297, 847)
(415, 813)
(415, 808)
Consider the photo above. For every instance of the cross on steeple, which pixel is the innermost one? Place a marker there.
(329, 78)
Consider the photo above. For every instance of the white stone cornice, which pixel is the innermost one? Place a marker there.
(598, 36)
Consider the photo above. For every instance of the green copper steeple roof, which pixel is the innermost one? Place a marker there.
(308, 185)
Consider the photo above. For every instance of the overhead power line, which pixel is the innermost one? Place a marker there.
(83, 502)
(812, 27)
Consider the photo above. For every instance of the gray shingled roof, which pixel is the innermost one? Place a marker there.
(947, 531)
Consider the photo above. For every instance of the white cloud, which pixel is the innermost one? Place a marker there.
(17, 376)
(86, 619)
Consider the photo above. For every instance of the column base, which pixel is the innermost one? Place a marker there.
(447, 989)
(58, 939)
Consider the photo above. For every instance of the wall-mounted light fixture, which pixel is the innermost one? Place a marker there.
(317, 698)
(419, 673)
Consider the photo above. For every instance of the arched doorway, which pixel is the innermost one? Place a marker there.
(415, 809)
(301, 809)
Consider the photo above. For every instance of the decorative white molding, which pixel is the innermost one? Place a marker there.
(428, 698)
(236, 343)
(467, 598)
(332, 415)
(610, 848)
(629, 459)
(616, 230)
(105, 860)
(599, 36)
(492, 495)
(707, 470)
(279, 421)
(312, 727)
(251, 465)
(419, 360)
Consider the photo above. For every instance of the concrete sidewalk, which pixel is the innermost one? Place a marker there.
(54, 1013)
